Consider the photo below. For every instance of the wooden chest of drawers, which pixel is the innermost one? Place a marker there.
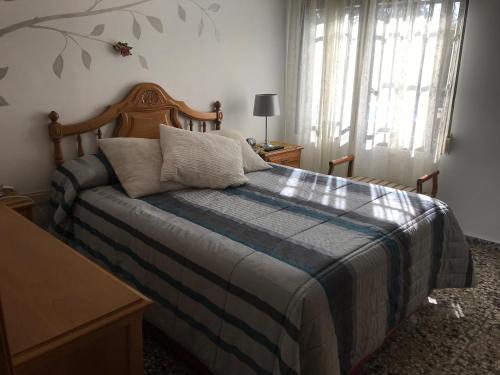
(289, 155)
(63, 313)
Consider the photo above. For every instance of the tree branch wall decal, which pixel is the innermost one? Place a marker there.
(206, 13)
(3, 73)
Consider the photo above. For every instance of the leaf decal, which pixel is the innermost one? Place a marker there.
(201, 25)
(98, 30)
(86, 59)
(3, 72)
(214, 7)
(58, 65)
(156, 23)
(181, 12)
(143, 62)
(136, 29)
(217, 35)
(3, 102)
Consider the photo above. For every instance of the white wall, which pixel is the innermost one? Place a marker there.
(470, 174)
(248, 59)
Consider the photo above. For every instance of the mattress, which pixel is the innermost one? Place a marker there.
(292, 273)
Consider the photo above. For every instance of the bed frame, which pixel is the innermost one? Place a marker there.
(138, 115)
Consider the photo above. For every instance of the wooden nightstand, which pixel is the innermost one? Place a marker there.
(19, 203)
(289, 155)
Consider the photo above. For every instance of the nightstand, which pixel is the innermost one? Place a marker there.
(19, 203)
(289, 155)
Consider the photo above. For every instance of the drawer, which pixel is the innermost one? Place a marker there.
(287, 158)
(294, 164)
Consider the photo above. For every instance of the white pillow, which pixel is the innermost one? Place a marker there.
(200, 159)
(137, 163)
(251, 161)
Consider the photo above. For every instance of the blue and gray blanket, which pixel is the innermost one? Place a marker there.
(293, 273)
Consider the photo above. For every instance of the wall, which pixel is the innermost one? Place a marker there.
(470, 174)
(229, 51)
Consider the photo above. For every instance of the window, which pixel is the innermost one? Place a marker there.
(408, 66)
(373, 74)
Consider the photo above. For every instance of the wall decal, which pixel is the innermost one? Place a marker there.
(206, 14)
(3, 73)
(123, 49)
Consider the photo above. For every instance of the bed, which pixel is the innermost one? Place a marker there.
(294, 272)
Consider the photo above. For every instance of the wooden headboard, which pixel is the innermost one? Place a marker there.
(138, 115)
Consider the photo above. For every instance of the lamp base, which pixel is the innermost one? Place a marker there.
(270, 147)
(267, 146)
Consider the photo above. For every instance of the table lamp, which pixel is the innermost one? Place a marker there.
(266, 105)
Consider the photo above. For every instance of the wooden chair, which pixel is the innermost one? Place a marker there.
(6, 367)
(417, 189)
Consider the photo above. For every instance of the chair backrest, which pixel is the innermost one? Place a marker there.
(6, 367)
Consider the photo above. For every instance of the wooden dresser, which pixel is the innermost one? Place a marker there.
(288, 155)
(64, 314)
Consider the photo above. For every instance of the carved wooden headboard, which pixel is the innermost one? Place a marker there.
(138, 115)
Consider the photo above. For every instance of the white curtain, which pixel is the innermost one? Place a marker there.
(321, 50)
(375, 78)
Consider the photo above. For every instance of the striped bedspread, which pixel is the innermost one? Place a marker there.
(293, 273)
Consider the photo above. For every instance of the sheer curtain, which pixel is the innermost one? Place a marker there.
(321, 68)
(375, 78)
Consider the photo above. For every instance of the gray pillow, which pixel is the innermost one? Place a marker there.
(200, 160)
(137, 164)
(251, 161)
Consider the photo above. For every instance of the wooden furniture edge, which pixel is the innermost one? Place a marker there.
(419, 185)
(145, 98)
(345, 159)
(293, 148)
(133, 325)
(434, 176)
(20, 203)
(77, 332)
(141, 303)
(6, 366)
(83, 257)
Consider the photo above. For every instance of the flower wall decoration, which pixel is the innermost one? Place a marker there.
(73, 38)
(123, 48)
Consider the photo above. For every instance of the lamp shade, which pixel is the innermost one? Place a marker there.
(266, 105)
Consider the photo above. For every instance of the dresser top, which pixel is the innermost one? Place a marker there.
(50, 292)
